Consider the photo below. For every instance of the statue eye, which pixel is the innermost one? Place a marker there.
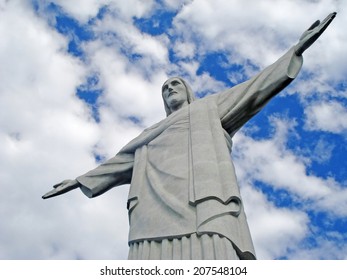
(175, 83)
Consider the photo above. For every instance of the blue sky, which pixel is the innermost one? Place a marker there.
(82, 78)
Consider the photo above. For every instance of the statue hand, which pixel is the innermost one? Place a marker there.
(63, 187)
(312, 34)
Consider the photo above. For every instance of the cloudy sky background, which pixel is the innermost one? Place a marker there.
(79, 79)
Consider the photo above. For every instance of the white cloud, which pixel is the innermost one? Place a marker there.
(126, 90)
(244, 33)
(322, 151)
(174, 4)
(185, 50)
(327, 116)
(39, 108)
(281, 231)
(275, 231)
(324, 251)
(271, 162)
(124, 35)
(83, 10)
(262, 30)
(47, 134)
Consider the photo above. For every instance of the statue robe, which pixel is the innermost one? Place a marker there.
(182, 179)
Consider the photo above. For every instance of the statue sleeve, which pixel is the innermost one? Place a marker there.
(240, 103)
(114, 172)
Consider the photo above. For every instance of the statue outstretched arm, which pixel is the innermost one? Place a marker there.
(240, 103)
(114, 172)
(312, 34)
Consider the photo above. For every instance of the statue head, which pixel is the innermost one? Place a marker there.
(176, 93)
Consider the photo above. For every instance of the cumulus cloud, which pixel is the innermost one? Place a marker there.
(255, 33)
(84, 10)
(324, 251)
(275, 231)
(39, 110)
(185, 50)
(41, 120)
(328, 116)
(270, 161)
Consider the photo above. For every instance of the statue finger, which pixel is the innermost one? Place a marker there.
(315, 24)
(65, 182)
(57, 185)
(329, 18)
(50, 194)
(325, 23)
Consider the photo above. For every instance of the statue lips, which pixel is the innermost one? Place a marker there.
(171, 93)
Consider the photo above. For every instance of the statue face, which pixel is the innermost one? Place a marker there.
(175, 94)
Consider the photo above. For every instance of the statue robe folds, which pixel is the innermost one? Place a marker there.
(182, 179)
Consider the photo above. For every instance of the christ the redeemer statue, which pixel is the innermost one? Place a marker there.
(184, 201)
